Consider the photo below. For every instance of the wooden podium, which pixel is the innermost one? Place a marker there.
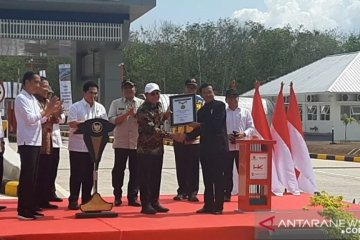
(255, 169)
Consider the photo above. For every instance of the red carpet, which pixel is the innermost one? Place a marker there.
(180, 223)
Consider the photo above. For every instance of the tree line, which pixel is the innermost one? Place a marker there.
(215, 52)
(218, 52)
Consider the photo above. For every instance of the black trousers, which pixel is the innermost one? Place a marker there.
(187, 168)
(150, 167)
(1, 166)
(231, 156)
(43, 179)
(213, 175)
(121, 156)
(29, 158)
(55, 158)
(81, 176)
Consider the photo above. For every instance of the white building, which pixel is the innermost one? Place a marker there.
(326, 89)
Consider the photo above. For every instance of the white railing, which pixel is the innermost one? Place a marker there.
(47, 30)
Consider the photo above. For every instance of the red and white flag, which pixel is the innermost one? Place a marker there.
(283, 161)
(299, 150)
(262, 128)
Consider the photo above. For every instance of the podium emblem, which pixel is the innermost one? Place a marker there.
(97, 127)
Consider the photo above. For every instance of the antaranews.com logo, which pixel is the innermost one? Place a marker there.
(303, 224)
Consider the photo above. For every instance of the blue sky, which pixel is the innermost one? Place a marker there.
(342, 15)
(192, 11)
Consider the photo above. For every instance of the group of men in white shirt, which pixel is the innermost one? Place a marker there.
(29, 119)
(121, 113)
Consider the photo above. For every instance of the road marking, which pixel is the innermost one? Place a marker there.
(336, 174)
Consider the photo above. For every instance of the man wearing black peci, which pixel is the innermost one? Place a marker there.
(211, 126)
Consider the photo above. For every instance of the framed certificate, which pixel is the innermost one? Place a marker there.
(183, 109)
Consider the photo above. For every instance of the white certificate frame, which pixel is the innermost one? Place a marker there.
(183, 109)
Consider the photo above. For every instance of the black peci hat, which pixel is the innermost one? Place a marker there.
(232, 93)
(127, 82)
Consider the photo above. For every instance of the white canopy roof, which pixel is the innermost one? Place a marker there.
(337, 73)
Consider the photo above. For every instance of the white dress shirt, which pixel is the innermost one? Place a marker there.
(56, 134)
(80, 112)
(126, 133)
(239, 120)
(28, 118)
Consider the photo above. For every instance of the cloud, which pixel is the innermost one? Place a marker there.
(342, 15)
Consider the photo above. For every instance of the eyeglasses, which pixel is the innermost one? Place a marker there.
(155, 93)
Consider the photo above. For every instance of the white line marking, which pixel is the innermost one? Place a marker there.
(335, 174)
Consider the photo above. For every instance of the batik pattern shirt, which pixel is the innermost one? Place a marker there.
(150, 126)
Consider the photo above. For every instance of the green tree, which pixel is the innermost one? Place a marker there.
(346, 121)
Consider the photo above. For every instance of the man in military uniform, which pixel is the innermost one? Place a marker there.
(187, 155)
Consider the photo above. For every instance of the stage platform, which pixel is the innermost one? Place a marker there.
(181, 223)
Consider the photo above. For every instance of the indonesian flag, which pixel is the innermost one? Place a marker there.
(283, 161)
(299, 150)
(262, 127)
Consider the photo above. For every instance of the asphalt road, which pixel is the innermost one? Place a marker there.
(335, 177)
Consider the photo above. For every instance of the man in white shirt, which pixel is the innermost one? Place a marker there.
(122, 113)
(29, 139)
(81, 165)
(239, 124)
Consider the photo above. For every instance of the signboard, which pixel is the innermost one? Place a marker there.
(65, 86)
(258, 165)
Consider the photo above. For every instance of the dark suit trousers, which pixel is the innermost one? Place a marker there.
(81, 176)
(150, 167)
(29, 158)
(213, 175)
(1, 166)
(121, 156)
(231, 157)
(43, 179)
(53, 169)
(187, 168)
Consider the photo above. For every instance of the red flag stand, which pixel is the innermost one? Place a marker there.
(255, 175)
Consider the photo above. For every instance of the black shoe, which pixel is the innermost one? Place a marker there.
(148, 209)
(204, 211)
(2, 207)
(160, 208)
(38, 215)
(227, 198)
(73, 206)
(22, 216)
(193, 198)
(55, 199)
(117, 202)
(48, 206)
(134, 203)
(217, 212)
(180, 197)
